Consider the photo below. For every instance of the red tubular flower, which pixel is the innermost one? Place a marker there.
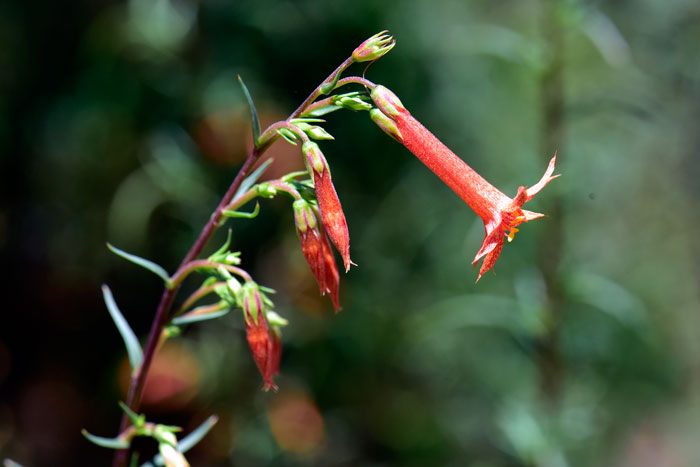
(317, 250)
(261, 344)
(331, 211)
(501, 214)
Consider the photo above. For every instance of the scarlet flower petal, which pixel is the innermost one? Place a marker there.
(546, 178)
(491, 257)
(332, 215)
(332, 278)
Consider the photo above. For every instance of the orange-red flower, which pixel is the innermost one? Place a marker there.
(264, 347)
(332, 214)
(500, 213)
(317, 250)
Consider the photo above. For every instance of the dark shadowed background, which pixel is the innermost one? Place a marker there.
(124, 122)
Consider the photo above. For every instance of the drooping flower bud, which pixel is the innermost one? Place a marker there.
(168, 449)
(387, 101)
(374, 47)
(316, 250)
(257, 331)
(387, 125)
(332, 215)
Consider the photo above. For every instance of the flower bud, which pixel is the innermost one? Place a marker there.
(332, 215)
(314, 157)
(387, 101)
(252, 305)
(168, 449)
(374, 47)
(304, 217)
(351, 102)
(387, 125)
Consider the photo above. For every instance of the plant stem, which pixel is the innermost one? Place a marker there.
(317, 92)
(138, 377)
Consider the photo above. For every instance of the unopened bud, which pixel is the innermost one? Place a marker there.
(352, 103)
(266, 190)
(387, 101)
(314, 131)
(251, 302)
(374, 47)
(304, 217)
(314, 157)
(168, 449)
(387, 125)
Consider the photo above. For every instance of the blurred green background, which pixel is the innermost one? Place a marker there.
(123, 122)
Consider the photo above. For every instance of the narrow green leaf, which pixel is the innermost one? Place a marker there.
(111, 443)
(253, 113)
(133, 348)
(144, 263)
(244, 215)
(251, 179)
(189, 441)
(182, 320)
(323, 110)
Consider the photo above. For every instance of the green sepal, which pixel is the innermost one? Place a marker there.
(244, 215)
(323, 110)
(252, 179)
(275, 319)
(354, 101)
(266, 190)
(253, 113)
(133, 348)
(137, 420)
(209, 281)
(144, 263)
(160, 430)
(111, 443)
(294, 121)
(288, 135)
(172, 331)
(314, 131)
(185, 319)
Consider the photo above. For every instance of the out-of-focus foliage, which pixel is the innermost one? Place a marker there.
(124, 122)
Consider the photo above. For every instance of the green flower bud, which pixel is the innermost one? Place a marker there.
(387, 101)
(314, 157)
(387, 125)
